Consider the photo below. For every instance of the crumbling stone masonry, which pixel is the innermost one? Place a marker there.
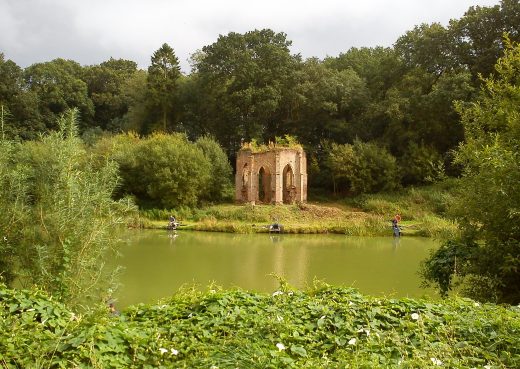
(271, 177)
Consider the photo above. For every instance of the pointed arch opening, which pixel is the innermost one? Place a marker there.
(289, 189)
(245, 182)
(264, 185)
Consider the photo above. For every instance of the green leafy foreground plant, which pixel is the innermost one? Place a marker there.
(58, 219)
(325, 327)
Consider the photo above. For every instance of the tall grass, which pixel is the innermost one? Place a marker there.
(411, 203)
(423, 211)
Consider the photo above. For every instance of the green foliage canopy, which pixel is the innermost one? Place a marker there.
(59, 86)
(487, 209)
(106, 84)
(248, 77)
(219, 185)
(365, 167)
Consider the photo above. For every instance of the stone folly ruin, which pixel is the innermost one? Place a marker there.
(274, 176)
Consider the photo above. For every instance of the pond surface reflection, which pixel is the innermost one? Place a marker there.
(157, 263)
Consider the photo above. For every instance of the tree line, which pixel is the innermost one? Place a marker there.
(373, 110)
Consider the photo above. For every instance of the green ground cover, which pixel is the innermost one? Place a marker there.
(423, 211)
(325, 327)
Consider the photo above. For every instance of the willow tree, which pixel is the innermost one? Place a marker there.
(58, 218)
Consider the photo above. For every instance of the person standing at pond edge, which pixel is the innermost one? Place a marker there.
(395, 225)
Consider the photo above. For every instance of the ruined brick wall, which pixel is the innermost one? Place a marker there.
(275, 176)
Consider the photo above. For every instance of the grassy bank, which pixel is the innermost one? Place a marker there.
(423, 211)
(325, 327)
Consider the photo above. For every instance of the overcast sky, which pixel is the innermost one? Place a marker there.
(92, 31)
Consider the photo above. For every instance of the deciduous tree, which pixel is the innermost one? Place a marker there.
(247, 77)
(487, 256)
(59, 86)
(106, 83)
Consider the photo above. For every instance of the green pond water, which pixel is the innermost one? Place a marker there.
(157, 263)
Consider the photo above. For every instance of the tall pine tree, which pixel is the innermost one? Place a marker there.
(163, 74)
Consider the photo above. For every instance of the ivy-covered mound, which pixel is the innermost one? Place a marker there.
(326, 327)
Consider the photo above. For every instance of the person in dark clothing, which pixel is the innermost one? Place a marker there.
(395, 227)
(172, 224)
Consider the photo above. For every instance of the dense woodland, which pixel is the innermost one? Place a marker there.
(390, 107)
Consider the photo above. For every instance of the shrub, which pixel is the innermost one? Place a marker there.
(219, 186)
(165, 171)
(58, 214)
(420, 164)
(365, 167)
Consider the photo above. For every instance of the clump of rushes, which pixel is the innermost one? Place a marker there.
(323, 327)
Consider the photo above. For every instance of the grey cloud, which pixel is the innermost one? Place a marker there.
(90, 32)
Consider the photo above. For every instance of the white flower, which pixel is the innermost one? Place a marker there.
(415, 316)
(476, 304)
(360, 330)
(436, 361)
(279, 318)
(5, 238)
(487, 366)
(163, 350)
(280, 346)
(174, 352)
(350, 303)
(290, 293)
(352, 341)
(367, 331)
(213, 367)
(276, 293)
